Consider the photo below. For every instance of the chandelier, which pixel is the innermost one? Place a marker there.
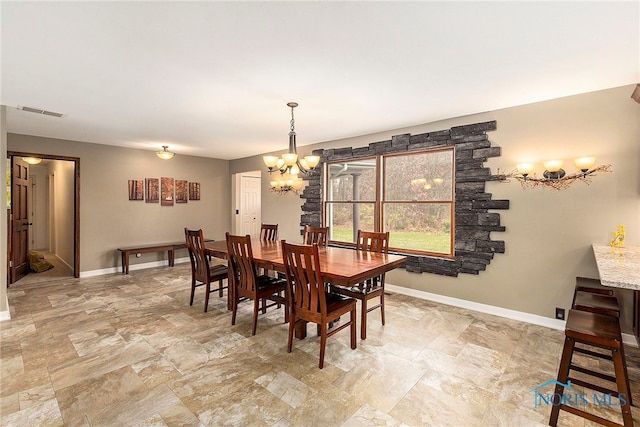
(290, 165)
(554, 176)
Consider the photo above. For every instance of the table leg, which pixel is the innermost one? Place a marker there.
(171, 257)
(125, 262)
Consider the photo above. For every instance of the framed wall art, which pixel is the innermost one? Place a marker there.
(153, 190)
(166, 191)
(136, 189)
(194, 191)
(181, 191)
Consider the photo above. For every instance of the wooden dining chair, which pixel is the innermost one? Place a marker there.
(202, 272)
(269, 232)
(248, 284)
(368, 241)
(308, 299)
(317, 235)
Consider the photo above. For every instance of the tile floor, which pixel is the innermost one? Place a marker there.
(125, 350)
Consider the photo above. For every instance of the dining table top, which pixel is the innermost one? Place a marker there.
(340, 266)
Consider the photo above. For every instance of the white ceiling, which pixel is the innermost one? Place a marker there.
(213, 78)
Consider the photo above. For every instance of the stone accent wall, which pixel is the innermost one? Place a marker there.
(474, 247)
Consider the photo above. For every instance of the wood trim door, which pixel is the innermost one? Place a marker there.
(19, 262)
(76, 161)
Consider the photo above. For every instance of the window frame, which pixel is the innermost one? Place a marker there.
(380, 202)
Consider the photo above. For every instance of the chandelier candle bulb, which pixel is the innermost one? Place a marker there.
(290, 159)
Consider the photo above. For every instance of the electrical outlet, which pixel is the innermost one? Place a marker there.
(138, 255)
(559, 313)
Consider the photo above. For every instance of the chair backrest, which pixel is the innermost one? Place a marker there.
(306, 287)
(243, 270)
(194, 240)
(269, 232)
(372, 241)
(317, 235)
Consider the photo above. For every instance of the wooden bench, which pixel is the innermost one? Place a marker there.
(170, 248)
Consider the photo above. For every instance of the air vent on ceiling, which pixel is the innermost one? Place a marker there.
(39, 111)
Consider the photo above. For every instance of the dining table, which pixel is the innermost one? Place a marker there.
(338, 265)
(619, 267)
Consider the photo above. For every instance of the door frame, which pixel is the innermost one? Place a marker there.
(76, 200)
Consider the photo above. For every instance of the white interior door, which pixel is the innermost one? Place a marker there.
(250, 205)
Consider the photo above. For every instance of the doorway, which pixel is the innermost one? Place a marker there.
(248, 203)
(52, 197)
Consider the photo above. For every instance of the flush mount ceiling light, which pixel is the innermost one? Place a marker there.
(32, 160)
(290, 165)
(165, 154)
(554, 176)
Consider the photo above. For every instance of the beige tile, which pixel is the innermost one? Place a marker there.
(424, 405)
(42, 414)
(129, 350)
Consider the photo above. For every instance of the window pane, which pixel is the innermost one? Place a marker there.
(340, 220)
(420, 177)
(342, 177)
(419, 226)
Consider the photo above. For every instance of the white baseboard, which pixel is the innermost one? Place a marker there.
(533, 319)
(5, 315)
(132, 267)
(491, 309)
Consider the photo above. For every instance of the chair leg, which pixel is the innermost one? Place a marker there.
(206, 297)
(256, 306)
(626, 374)
(220, 288)
(382, 305)
(363, 321)
(193, 291)
(623, 387)
(563, 376)
(353, 328)
(323, 342)
(292, 326)
(234, 307)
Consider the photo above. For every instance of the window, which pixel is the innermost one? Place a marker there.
(409, 194)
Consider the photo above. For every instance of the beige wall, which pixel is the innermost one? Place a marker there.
(109, 220)
(549, 233)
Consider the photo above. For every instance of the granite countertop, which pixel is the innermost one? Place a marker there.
(618, 267)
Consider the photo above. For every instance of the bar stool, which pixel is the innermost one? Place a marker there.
(589, 295)
(594, 286)
(600, 331)
(594, 303)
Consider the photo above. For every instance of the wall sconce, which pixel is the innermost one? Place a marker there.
(32, 160)
(554, 176)
(165, 154)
